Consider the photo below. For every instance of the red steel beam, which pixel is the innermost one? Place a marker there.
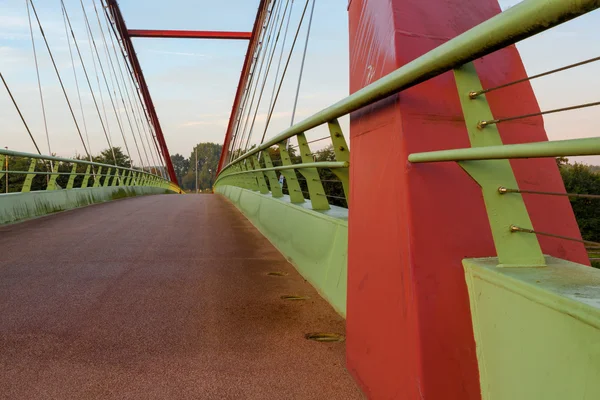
(113, 8)
(150, 33)
(258, 22)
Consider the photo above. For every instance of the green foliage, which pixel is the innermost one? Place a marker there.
(580, 178)
(181, 166)
(208, 160)
(106, 157)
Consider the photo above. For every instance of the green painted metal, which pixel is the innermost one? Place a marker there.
(537, 330)
(321, 164)
(128, 179)
(342, 153)
(2, 165)
(72, 177)
(260, 178)
(315, 242)
(107, 177)
(97, 177)
(555, 148)
(271, 175)
(116, 180)
(503, 211)
(86, 177)
(517, 23)
(291, 180)
(316, 191)
(52, 182)
(29, 177)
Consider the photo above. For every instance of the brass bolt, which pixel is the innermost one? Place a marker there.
(482, 124)
(502, 190)
(514, 228)
(473, 95)
(342, 148)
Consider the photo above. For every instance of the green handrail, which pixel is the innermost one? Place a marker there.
(557, 148)
(517, 23)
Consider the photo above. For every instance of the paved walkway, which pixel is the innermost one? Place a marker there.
(160, 297)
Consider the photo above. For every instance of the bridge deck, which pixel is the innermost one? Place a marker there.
(159, 297)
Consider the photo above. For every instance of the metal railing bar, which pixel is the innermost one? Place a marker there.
(324, 164)
(332, 196)
(483, 124)
(557, 148)
(474, 95)
(13, 153)
(514, 228)
(524, 20)
(503, 190)
(52, 173)
(312, 141)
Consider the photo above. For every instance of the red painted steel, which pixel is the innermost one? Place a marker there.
(148, 33)
(113, 8)
(409, 332)
(244, 76)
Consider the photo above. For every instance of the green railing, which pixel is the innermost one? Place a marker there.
(55, 173)
(509, 214)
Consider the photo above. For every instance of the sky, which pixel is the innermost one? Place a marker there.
(193, 82)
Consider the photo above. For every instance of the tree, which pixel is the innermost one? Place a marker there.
(208, 160)
(106, 157)
(181, 166)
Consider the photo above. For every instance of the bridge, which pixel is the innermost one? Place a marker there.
(446, 264)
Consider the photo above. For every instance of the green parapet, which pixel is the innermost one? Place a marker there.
(316, 191)
(86, 177)
(29, 178)
(72, 176)
(107, 178)
(272, 175)
(342, 153)
(97, 177)
(260, 177)
(293, 186)
(503, 210)
(537, 330)
(52, 182)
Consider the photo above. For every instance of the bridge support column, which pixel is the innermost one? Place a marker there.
(409, 328)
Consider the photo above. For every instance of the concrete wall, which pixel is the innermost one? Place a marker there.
(537, 330)
(18, 206)
(315, 243)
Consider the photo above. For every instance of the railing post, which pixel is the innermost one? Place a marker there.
(293, 186)
(86, 177)
(272, 176)
(107, 178)
(72, 176)
(117, 179)
(29, 178)
(52, 182)
(342, 153)
(316, 191)
(503, 211)
(97, 177)
(260, 178)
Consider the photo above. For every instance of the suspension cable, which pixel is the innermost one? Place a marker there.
(20, 114)
(95, 48)
(264, 82)
(104, 128)
(87, 136)
(285, 68)
(37, 70)
(115, 82)
(310, 19)
(135, 88)
(262, 55)
(119, 68)
(59, 79)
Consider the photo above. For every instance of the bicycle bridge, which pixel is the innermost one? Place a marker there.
(447, 265)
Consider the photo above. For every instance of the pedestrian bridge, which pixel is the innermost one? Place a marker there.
(448, 265)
